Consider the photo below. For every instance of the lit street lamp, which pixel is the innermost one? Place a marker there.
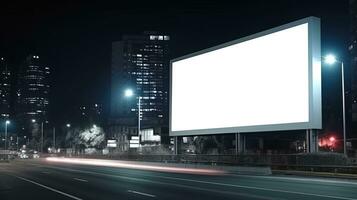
(331, 59)
(41, 146)
(68, 125)
(130, 93)
(7, 122)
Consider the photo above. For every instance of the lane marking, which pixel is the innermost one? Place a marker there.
(142, 193)
(49, 188)
(82, 180)
(207, 182)
(259, 188)
(46, 172)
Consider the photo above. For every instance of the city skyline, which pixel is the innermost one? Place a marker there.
(80, 54)
(199, 99)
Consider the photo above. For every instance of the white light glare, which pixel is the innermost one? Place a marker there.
(330, 59)
(7, 122)
(129, 93)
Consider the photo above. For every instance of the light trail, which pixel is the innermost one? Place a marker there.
(132, 165)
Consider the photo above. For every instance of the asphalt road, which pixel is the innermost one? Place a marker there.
(40, 179)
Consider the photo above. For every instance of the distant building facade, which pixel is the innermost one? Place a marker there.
(32, 96)
(140, 63)
(5, 89)
(90, 114)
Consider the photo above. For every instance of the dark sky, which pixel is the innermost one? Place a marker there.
(74, 37)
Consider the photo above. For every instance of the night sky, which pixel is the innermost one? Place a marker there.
(74, 37)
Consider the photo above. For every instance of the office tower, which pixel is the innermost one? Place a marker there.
(32, 103)
(141, 63)
(5, 87)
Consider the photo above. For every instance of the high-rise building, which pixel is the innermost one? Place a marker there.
(141, 63)
(5, 87)
(32, 103)
(353, 55)
(90, 114)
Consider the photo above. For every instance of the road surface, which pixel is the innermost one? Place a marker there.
(41, 179)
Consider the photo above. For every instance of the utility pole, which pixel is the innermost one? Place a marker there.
(41, 137)
(54, 138)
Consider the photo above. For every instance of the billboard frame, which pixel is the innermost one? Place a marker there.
(314, 83)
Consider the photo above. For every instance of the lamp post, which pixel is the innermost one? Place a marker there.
(331, 59)
(54, 137)
(41, 144)
(68, 125)
(41, 137)
(6, 123)
(130, 93)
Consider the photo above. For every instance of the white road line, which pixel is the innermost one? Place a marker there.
(49, 188)
(142, 193)
(259, 188)
(78, 179)
(46, 172)
(211, 183)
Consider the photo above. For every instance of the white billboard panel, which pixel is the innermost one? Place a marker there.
(264, 82)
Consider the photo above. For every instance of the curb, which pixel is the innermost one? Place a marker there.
(315, 174)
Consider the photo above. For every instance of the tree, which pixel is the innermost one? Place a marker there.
(92, 137)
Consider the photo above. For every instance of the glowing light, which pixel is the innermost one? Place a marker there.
(135, 165)
(68, 125)
(128, 93)
(330, 59)
(332, 139)
(7, 122)
(234, 80)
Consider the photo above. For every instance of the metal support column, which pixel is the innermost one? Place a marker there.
(175, 145)
(238, 143)
(307, 141)
(311, 141)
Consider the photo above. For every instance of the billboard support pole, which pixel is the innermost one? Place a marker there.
(238, 144)
(244, 143)
(311, 141)
(307, 140)
(175, 145)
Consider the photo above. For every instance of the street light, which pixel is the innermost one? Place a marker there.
(130, 93)
(7, 122)
(331, 59)
(41, 144)
(68, 125)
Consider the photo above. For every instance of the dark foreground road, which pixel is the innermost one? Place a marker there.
(35, 180)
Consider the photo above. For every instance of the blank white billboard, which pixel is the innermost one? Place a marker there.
(264, 82)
